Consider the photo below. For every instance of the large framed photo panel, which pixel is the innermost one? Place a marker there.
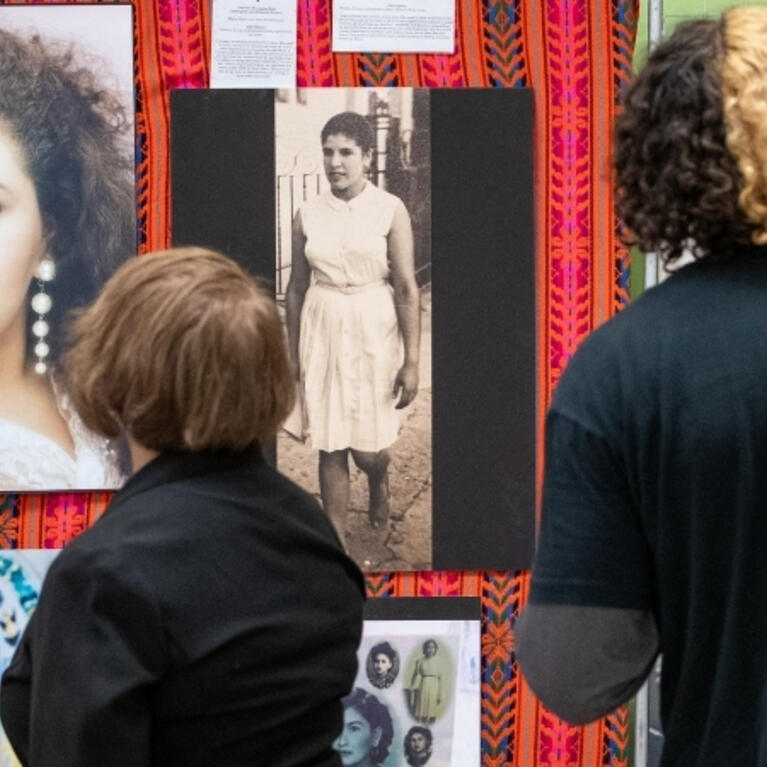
(395, 227)
(67, 193)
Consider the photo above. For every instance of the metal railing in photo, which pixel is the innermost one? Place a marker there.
(298, 179)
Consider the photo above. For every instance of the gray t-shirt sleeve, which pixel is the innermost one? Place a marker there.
(583, 662)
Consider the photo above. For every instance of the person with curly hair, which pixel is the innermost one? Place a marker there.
(367, 733)
(67, 219)
(654, 517)
(417, 746)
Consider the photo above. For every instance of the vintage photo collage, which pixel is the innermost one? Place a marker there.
(419, 682)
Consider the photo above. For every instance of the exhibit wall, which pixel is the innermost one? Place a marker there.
(576, 56)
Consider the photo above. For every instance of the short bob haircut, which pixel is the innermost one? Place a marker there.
(184, 351)
(377, 716)
(691, 170)
(75, 139)
(427, 643)
(353, 126)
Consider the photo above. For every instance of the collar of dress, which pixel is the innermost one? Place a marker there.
(338, 204)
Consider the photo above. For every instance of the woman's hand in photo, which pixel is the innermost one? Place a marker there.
(406, 385)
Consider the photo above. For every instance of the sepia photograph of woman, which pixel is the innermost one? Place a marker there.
(67, 220)
(425, 693)
(353, 317)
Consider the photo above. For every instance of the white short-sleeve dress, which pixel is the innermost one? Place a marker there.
(350, 346)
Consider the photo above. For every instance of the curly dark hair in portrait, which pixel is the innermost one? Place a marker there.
(412, 758)
(377, 716)
(677, 183)
(382, 681)
(73, 135)
(383, 648)
(353, 126)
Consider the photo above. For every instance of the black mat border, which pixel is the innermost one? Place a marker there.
(423, 609)
(483, 289)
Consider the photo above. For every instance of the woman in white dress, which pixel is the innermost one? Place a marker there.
(352, 311)
(425, 694)
(66, 220)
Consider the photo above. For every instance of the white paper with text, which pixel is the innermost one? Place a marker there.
(394, 26)
(254, 44)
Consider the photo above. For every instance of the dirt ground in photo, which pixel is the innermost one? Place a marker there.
(404, 543)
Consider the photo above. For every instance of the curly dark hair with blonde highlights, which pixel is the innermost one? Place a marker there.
(75, 141)
(677, 184)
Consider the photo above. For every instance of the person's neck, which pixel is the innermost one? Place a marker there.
(140, 455)
(350, 192)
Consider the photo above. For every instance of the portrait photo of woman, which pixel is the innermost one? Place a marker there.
(418, 745)
(354, 273)
(425, 695)
(367, 733)
(67, 220)
(382, 665)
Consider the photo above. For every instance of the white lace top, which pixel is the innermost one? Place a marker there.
(34, 462)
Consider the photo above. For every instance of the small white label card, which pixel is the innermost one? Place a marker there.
(254, 44)
(394, 26)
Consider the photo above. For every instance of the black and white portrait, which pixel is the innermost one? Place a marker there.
(67, 220)
(382, 665)
(353, 269)
(417, 745)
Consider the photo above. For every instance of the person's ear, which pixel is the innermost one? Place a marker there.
(367, 160)
(375, 737)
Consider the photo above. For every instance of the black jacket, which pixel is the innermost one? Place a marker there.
(210, 617)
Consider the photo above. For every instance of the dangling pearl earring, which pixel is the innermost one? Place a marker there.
(41, 305)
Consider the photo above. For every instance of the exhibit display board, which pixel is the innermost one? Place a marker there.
(575, 56)
(468, 438)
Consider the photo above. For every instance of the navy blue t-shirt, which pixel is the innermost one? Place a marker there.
(655, 497)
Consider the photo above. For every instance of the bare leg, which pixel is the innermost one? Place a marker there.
(334, 488)
(376, 466)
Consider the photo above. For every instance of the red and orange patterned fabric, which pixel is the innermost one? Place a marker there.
(576, 54)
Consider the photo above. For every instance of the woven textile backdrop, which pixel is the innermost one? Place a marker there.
(576, 54)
